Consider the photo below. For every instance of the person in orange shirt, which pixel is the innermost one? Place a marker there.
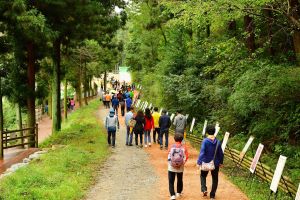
(107, 99)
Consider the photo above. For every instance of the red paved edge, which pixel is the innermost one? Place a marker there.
(7, 163)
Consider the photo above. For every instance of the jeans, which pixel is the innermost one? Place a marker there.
(172, 176)
(156, 130)
(161, 140)
(111, 139)
(214, 187)
(141, 137)
(128, 136)
(147, 137)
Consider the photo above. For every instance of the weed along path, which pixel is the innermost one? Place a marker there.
(127, 173)
(132, 173)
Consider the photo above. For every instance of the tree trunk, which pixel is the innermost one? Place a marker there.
(31, 91)
(56, 110)
(19, 120)
(270, 22)
(105, 81)
(1, 120)
(295, 12)
(249, 28)
(65, 99)
(85, 85)
(19, 116)
(50, 102)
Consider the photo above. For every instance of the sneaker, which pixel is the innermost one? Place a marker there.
(173, 197)
(150, 144)
(178, 194)
(166, 148)
(130, 145)
(205, 193)
(161, 147)
(146, 145)
(212, 198)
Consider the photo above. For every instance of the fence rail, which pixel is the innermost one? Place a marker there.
(19, 138)
(262, 171)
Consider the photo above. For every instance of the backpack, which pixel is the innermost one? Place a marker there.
(132, 123)
(177, 156)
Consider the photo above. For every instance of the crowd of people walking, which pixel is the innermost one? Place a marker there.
(142, 123)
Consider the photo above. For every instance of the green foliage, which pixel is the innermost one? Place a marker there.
(64, 173)
(203, 66)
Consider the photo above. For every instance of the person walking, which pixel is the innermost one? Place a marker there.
(156, 130)
(177, 157)
(128, 102)
(111, 125)
(180, 123)
(164, 124)
(115, 104)
(128, 123)
(210, 151)
(107, 100)
(139, 127)
(122, 105)
(72, 103)
(149, 125)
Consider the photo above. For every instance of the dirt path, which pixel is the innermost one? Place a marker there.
(134, 173)
(127, 174)
(191, 181)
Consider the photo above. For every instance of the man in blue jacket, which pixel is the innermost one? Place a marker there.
(115, 104)
(210, 150)
(164, 125)
(128, 102)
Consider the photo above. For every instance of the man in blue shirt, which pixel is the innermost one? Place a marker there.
(128, 103)
(115, 104)
(164, 125)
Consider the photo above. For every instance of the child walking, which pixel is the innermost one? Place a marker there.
(178, 155)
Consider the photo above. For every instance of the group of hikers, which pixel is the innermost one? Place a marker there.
(141, 124)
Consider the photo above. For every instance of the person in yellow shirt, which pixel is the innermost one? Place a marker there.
(156, 129)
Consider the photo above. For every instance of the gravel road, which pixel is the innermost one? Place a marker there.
(127, 174)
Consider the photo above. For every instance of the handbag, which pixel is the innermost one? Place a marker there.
(211, 165)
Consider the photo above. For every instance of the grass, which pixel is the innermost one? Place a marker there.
(254, 188)
(66, 172)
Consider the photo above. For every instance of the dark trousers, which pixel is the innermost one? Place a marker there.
(116, 109)
(156, 130)
(215, 177)
(141, 138)
(123, 110)
(111, 139)
(107, 104)
(161, 138)
(172, 176)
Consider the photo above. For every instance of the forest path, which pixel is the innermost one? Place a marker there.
(134, 173)
(127, 174)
